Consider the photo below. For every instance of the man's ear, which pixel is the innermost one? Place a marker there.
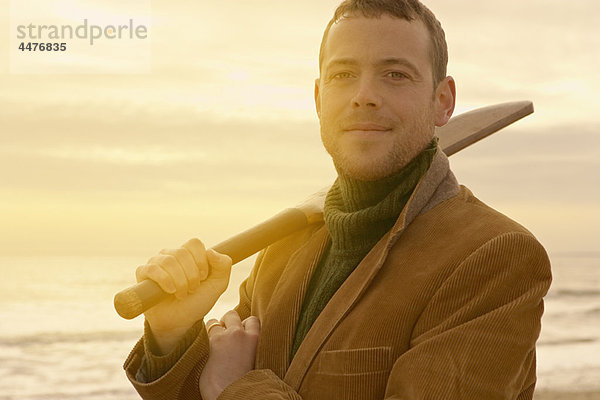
(317, 98)
(445, 100)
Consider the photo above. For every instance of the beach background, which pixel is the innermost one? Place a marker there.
(98, 172)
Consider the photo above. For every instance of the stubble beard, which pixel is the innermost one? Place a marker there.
(409, 141)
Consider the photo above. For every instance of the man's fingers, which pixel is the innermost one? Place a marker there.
(187, 262)
(196, 248)
(181, 271)
(213, 324)
(252, 325)
(220, 263)
(170, 264)
(158, 275)
(231, 319)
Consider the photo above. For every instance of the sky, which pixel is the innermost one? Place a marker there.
(221, 133)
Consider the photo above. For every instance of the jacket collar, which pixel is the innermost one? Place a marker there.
(437, 185)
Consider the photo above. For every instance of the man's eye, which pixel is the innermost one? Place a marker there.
(342, 75)
(397, 75)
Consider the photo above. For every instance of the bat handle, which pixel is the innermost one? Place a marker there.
(138, 298)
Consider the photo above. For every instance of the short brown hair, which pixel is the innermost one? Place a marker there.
(408, 10)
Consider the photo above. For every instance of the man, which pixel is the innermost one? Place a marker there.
(411, 289)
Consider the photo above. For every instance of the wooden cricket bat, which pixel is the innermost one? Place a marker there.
(461, 131)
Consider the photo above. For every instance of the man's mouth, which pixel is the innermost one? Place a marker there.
(367, 127)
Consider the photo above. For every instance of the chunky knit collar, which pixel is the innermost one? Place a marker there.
(358, 213)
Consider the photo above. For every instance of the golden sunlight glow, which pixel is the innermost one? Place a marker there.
(225, 122)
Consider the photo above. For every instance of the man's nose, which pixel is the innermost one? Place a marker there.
(367, 94)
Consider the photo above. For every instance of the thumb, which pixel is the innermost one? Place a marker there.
(220, 263)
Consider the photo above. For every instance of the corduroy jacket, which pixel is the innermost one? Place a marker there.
(447, 305)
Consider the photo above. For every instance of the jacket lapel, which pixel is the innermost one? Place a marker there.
(437, 185)
(335, 310)
(281, 317)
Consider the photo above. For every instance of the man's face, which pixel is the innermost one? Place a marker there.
(375, 97)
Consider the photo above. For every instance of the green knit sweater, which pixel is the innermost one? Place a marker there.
(357, 214)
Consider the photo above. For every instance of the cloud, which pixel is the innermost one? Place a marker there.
(112, 155)
(559, 165)
(224, 128)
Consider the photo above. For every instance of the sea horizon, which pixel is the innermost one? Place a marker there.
(58, 326)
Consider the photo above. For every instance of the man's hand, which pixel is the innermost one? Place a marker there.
(232, 351)
(196, 277)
